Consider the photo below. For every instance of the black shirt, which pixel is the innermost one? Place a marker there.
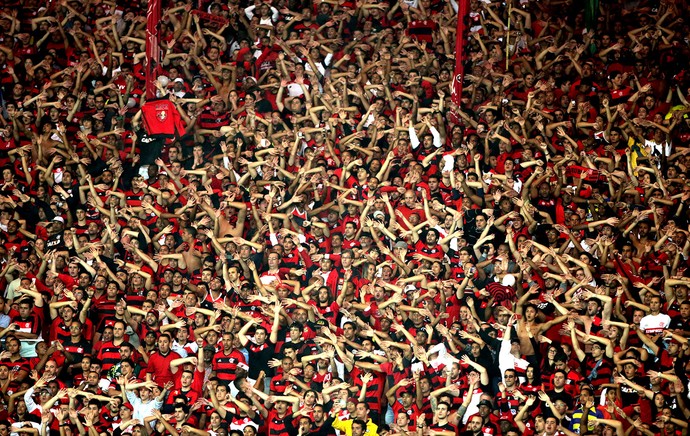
(259, 355)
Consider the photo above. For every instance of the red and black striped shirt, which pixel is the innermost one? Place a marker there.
(598, 372)
(109, 354)
(213, 120)
(225, 364)
(276, 424)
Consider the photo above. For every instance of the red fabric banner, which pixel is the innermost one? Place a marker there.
(456, 90)
(153, 18)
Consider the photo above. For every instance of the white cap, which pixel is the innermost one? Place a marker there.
(59, 219)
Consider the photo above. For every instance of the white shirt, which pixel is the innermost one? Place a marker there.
(655, 324)
(141, 409)
(507, 361)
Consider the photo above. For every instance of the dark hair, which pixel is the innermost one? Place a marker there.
(511, 370)
(360, 422)
(180, 397)
(432, 230)
(537, 372)
(184, 407)
(527, 306)
(444, 402)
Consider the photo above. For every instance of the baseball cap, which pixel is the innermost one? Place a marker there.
(322, 323)
(400, 244)
(59, 219)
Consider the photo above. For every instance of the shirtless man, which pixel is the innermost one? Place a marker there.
(191, 254)
(223, 225)
(529, 320)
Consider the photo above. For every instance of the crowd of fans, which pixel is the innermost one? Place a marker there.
(332, 245)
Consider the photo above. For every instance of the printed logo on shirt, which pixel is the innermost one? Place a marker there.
(162, 115)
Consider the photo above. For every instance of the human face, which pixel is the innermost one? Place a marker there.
(118, 330)
(509, 378)
(24, 310)
(50, 368)
(163, 344)
(346, 260)
(227, 342)
(480, 222)
(260, 336)
(442, 411)
(550, 425)
(357, 429)
(530, 314)
(361, 411)
(585, 396)
(145, 394)
(326, 265)
(659, 400)
(475, 424)
(348, 331)
(592, 307)
(655, 304)
(597, 351)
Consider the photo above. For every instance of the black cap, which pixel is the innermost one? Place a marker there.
(486, 403)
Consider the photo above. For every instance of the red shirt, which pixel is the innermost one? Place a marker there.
(159, 367)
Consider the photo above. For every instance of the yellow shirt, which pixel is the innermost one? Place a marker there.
(346, 426)
(637, 149)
